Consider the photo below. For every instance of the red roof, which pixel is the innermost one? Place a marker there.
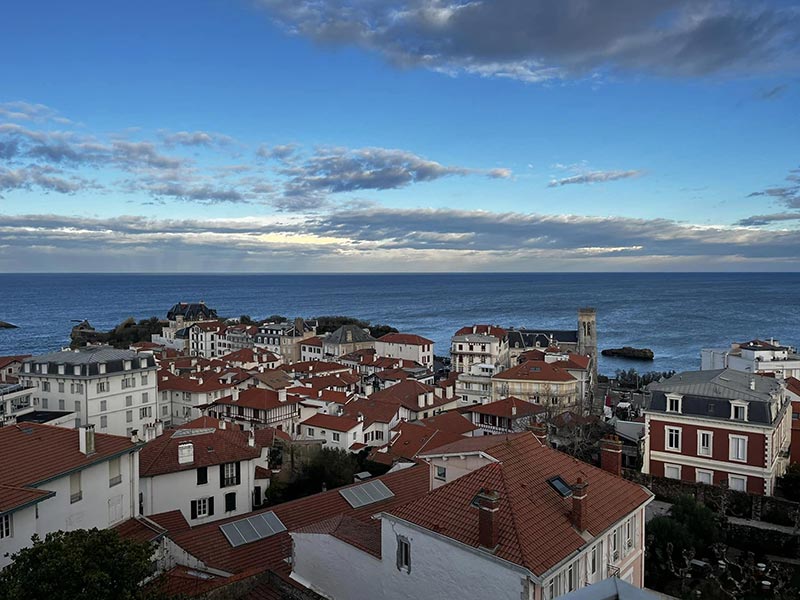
(535, 370)
(479, 443)
(250, 355)
(7, 360)
(392, 375)
(212, 446)
(492, 330)
(364, 535)
(313, 367)
(413, 438)
(374, 411)
(793, 385)
(44, 452)
(140, 529)
(312, 341)
(406, 393)
(331, 422)
(405, 338)
(172, 520)
(451, 422)
(258, 399)
(510, 407)
(535, 529)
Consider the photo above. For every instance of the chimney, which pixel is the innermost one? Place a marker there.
(135, 436)
(752, 383)
(611, 455)
(149, 432)
(539, 431)
(251, 438)
(86, 439)
(488, 524)
(159, 427)
(421, 400)
(282, 395)
(185, 453)
(578, 515)
(222, 424)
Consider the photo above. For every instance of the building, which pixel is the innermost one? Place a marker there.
(715, 427)
(406, 345)
(10, 366)
(59, 479)
(755, 356)
(206, 339)
(208, 469)
(475, 385)
(415, 400)
(540, 382)
(477, 345)
(345, 340)
(521, 520)
(337, 432)
(183, 314)
(112, 389)
(284, 339)
(238, 337)
(311, 349)
(793, 388)
(255, 408)
(509, 415)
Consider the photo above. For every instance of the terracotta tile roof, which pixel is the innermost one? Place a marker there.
(413, 438)
(208, 543)
(405, 338)
(358, 356)
(334, 396)
(507, 407)
(212, 446)
(479, 443)
(364, 535)
(374, 411)
(356, 446)
(340, 380)
(315, 341)
(492, 330)
(535, 530)
(406, 393)
(16, 497)
(262, 473)
(314, 367)
(450, 421)
(181, 581)
(274, 378)
(250, 355)
(331, 422)
(50, 451)
(266, 436)
(793, 385)
(197, 383)
(258, 399)
(140, 529)
(7, 360)
(535, 370)
(210, 326)
(391, 375)
(173, 521)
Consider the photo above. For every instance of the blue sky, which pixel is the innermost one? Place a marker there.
(353, 135)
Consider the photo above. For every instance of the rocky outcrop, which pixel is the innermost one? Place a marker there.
(630, 352)
(4, 325)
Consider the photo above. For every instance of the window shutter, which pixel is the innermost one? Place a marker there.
(238, 473)
(222, 475)
(230, 501)
(210, 506)
(194, 509)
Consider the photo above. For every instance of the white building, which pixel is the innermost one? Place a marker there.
(477, 345)
(337, 432)
(207, 339)
(406, 345)
(755, 356)
(183, 314)
(112, 389)
(475, 385)
(63, 479)
(207, 469)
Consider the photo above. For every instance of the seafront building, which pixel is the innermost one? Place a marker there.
(114, 390)
(755, 356)
(406, 346)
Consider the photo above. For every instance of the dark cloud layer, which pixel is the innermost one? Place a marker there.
(535, 40)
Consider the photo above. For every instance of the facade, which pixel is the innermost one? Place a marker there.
(112, 389)
(509, 415)
(206, 339)
(475, 386)
(284, 339)
(407, 346)
(311, 349)
(540, 382)
(10, 366)
(755, 356)
(181, 398)
(345, 340)
(719, 427)
(338, 432)
(255, 408)
(183, 314)
(477, 345)
(206, 469)
(63, 479)
(793, 388)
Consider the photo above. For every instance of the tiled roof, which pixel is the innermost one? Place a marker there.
(207, 381)
(392, 375)
(250, 355)
(413, 438)
(364, 535)
(14, 497)
(793, 385)
(374, 411)
(274, 378)
(258, 399)
(405, 338)
(140, 529)
(208, 543)
(406, 393)
(535, 370)
(7, 360)
(313, 367)
(480, 443)
(331, 422)
(507, 407)
(535, 529)
(492, 330)
(172, 520)
(451, 422)
(315, 341)
(357, 335)
(212, 446)
(84, 356)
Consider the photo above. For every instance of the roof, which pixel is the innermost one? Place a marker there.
(413, 437)
(535, 528)
(720, 383)
(535, 370)
(532, 338)
(374, 411)
(312, 367)
(451, 422)
(88, 355)
(274, 378)
(140, 529)
(410, 339)
(512, 408)
(258, 399)
(478, 443)
(406, 393)
(7, 360)
(212, 446)
(191, 311)
(492, 330)
(364, 535)
(172, 520)
(312, 341)
(331, 422)
(793, 385)
(48, 452)
(349, 334)
(209, 544)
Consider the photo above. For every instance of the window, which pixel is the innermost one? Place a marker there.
(103, 406)
(77, 406)
(672, 471)
(630, 533)
(202, 507)
(738, 448)
(164, 410)
(202, 475)
(61, 404)
(572, 577)
(114, 472)
(403, 554)
(335, 436)
(102, 387)
(615, 545)
(704, 476)
(128, 400)
(704, 443)
(78, 388)
(673, 438)
(145, 412)
(45, 386)
(674, 404)
(144, 379)
(75, 492)
(5, 526)
(737, 482)
(128, 416)
(593, 561)
(230, 501)
(229, 474)
(44, 403)
(440, 473)
(310, 431)
(103, 422)
(739, 411)
(60, 387)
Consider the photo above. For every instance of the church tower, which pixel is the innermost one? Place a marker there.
(587, 337)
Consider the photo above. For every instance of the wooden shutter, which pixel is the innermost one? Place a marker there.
(194, 509)
(238, 473)
(210, 506)
(222, 475)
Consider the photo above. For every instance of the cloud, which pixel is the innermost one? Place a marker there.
(195, 138)
(46, 178)
(281, 152)
(594, 177)
(27, 111)
(539, 40)
(757, 220)
(201, 194)
(788, 195)
(774, 92)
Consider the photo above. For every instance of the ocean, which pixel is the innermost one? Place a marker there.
(674, 314)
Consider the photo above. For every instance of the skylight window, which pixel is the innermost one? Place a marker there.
(252, 529)
(366, 493)
(561, 486)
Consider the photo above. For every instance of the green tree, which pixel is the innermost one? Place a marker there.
(246, 320)
(790, 482)
(85, 564)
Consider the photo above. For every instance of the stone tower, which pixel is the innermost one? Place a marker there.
(587, 337)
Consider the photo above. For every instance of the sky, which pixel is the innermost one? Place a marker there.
(378, 135)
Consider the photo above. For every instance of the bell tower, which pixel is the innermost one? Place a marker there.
(587, 338)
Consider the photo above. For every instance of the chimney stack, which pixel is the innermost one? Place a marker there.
(135, 436)
(159, 427)
(488, 523)
(578, 515)
(611, 455)
(86, 439)
(282, 395)
(222, 424)
(539, 431)
(185, 453)
(251, 438)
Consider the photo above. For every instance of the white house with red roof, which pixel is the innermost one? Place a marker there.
(477, 344)
(10, 366)
(311, 349)
(508, 415)
(540, 382)
(207, 468)
(338, 432)
(526, 522)
(63, 479)
(406, 345)
(206, 339)
(255, 408)
(416, 400)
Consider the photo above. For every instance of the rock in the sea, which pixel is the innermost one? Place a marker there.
(630, 352)
(4, 325)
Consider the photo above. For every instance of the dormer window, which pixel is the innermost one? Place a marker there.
(739, 411)
(674, 403)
